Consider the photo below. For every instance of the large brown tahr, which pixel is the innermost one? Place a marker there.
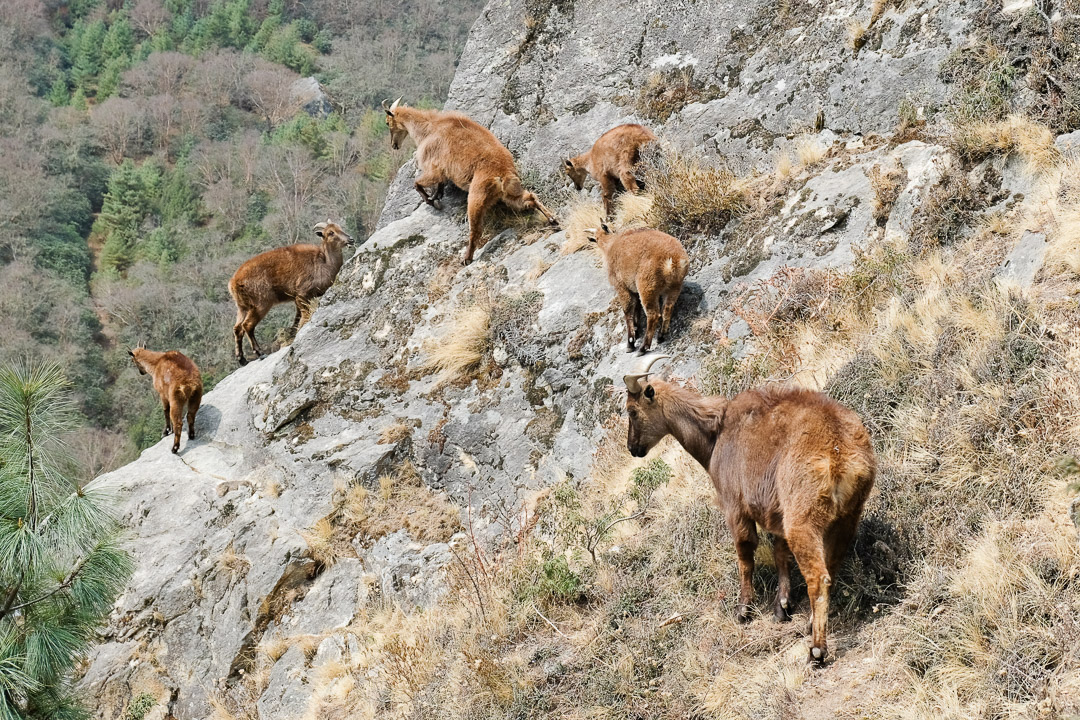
(612, 161)
(792, 461)
(294, 273)
(451, 147)
(178, 384)
(645, 267)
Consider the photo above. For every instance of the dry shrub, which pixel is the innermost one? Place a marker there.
(402, 502)
(988, 639)
(946, 213)
(396, 432)
(463, 346)
(320, 539)
(887, 185)
(666, 92)
(1059, 217)
(585, 215)
(630, 211)
(1016, 135)
(688, 194)
(856, 34)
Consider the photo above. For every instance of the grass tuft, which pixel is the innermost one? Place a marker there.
(463, 345)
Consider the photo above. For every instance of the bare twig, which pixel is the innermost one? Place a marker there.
(544, 618)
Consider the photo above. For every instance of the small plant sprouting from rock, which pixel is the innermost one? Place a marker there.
(666, 92)
(140, 706)
(511, 326)
(887, 184)
(589, 527)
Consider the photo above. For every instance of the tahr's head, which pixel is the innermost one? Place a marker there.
(597, 234)
(575, 170)
(332, 235)
(647, 423)
(398, 131)
(138, 356)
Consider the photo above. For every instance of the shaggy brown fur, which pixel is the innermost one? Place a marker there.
(793, 461)
(178, 383)
(612, 161)
(294, 273)
(451, 147)
(647, 268)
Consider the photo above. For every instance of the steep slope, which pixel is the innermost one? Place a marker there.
(291, 559)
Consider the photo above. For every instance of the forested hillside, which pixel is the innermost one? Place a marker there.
(150, 146)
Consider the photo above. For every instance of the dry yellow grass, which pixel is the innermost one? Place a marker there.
(630, 211)
(856, 34)
(584, 215)
(785, 165)
(1016, 135)
(395, 433)
(1058, 215)
(633, 210)
(320, 542)
(463, 345)
(232, 561)
(688, 192)
(808, 151)
(402, 502)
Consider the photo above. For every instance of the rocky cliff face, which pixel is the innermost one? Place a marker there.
(226, 534)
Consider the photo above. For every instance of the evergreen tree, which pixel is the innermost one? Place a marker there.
(86, 53)
(61, 567)
(240, 23)
(129, 199)
(119, 41)
(109, 81)
(78, 100)
(179, 197)
(58, 94)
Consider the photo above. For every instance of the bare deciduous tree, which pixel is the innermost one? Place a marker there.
(121, 126)
(163, 73)
(149, 16)
(293, 175)
(268, 92)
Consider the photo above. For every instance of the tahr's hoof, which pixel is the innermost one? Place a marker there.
(166, 432)
(817, 656)
(743, 614)
(242, 361)
(643, 351)
(176, 449)
(781, 613)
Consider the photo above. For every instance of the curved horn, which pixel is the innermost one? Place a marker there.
(394, 106)
(387, 107)
(320, 226)
(633, 381)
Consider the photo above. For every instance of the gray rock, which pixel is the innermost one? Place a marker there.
(1068, 144)
(310, 95)
(1025, 260)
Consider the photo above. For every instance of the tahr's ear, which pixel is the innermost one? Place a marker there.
(132, 354)
(649, 392)
(569, 164)
(604, 227)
